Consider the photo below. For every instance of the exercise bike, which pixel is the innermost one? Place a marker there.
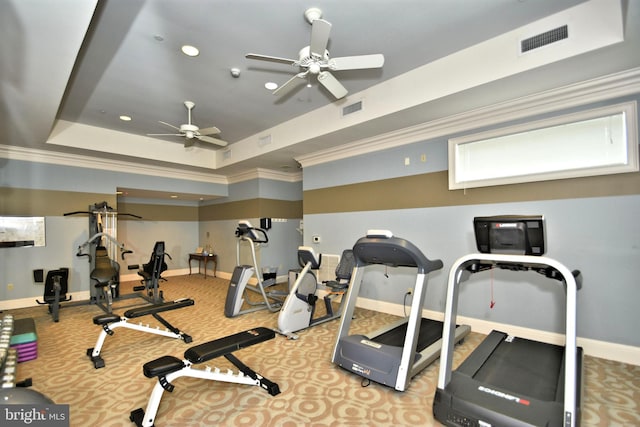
(239, 285)
(299, 308)
(55, 291)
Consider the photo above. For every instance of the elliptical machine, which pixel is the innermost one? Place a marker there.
(299, 308)
(239, 284)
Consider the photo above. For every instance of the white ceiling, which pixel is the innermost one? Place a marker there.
(70, 68)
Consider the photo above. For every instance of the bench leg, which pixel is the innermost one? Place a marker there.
(147, 417)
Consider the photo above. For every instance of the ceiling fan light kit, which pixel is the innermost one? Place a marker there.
(315, 60)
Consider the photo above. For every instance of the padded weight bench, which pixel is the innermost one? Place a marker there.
(111, 321)
(168, 368)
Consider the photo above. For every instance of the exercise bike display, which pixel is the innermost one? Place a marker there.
(299, 308)
(237, 295)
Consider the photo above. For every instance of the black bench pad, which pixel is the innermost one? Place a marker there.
(157, 308)
(162, 366)
(212, 349)
(104, 319)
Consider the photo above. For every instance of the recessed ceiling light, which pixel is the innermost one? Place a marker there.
(190, 50)
(125, 118)
(174, 197)
(271, 85)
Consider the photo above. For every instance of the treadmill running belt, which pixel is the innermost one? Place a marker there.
(524, 367)
(430, 332)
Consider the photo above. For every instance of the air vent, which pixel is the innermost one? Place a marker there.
(264, 140)
(544, 39)
(350, 109)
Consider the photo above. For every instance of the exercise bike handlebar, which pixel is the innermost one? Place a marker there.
(256, 235)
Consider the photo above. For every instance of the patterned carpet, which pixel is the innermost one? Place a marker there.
(314, 391)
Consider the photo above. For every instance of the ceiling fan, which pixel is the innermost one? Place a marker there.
(314, 59)
(192, 132)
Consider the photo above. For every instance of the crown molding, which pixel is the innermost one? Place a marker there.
(76, 160)
(590, 91)
(260, 173)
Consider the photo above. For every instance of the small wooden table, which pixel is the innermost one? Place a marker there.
(204, 258)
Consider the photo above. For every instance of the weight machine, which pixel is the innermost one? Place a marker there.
(102, 249)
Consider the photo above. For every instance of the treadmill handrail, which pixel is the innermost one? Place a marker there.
(459, 273)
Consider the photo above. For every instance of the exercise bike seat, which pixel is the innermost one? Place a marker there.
(58, 277)
(104, 271)
(343, 271)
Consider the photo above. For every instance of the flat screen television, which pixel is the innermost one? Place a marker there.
(510, 234)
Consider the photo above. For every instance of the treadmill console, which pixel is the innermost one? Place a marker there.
(510, 234)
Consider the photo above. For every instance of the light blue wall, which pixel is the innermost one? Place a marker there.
(599, 236)
(63, 236)
(44, 176)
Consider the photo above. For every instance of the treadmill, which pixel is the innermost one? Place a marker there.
(508, 380)
(396, 353)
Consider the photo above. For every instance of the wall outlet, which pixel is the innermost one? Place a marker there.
(409, 291)
(316, 239)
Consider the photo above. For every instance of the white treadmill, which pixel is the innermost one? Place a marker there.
(508, 380)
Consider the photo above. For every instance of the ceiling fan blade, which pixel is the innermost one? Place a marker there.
(356, 62)
(165, 134)
(209, 131)
(332, 84)
(320, 30)
(168, 124)
(270, 58)
(212, 140)
(291, 84)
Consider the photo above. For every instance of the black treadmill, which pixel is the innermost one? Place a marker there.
(396, 353)
(508, 380)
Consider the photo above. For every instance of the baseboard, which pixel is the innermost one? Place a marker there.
(31, 301)
(602, 349)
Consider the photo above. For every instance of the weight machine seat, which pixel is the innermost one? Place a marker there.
(207, 351)
(147, 271)
(104, 270)
(343, 271)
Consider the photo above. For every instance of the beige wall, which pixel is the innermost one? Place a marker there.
(431, 190)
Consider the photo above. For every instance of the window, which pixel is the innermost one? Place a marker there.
(594, 142)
